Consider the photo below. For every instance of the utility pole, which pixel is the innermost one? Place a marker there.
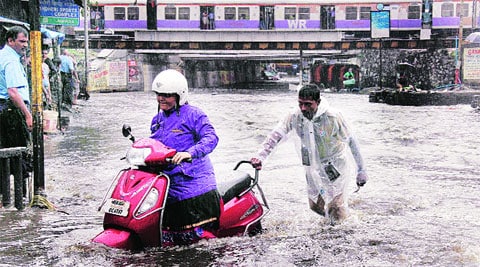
(301, 68)
(459, 53)
(86, 21)
(380, 78)
(37, 103)
(474, 15)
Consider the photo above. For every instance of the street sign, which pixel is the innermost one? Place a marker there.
(59, 12)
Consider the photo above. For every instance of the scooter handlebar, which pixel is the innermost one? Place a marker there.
(249, 163)
(240, 163)
(169, 160)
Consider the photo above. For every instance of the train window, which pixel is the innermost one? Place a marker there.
(414, 12)
(184, 13)
(243, 13)
(447, 10)
(290, 12)
(351, 13)
(462, 10)
(170, 13)
(303, 13)
(365, 12)
(230, 13)
(132, 13)
(119, 13)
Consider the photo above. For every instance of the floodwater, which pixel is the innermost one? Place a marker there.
(421, 206)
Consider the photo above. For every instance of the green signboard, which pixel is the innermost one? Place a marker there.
(59, 12)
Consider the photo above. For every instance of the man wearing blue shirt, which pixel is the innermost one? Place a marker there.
(67, 70)
(15, 118)
(14, 89)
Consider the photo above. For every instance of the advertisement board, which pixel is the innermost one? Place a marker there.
(380, 24)
(471, 64)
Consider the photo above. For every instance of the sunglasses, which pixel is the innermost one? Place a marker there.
(166, 95)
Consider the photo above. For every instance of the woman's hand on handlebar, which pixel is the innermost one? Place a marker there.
(181, 156)
(256, 163)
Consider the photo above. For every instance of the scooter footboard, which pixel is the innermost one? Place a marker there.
(117, 238)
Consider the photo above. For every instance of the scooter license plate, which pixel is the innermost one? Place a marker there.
(117, 207)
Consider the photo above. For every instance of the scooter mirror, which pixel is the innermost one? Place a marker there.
(126, 130)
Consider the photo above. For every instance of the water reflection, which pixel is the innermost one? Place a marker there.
(421, 206)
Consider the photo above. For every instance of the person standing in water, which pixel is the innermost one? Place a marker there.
(330, 153)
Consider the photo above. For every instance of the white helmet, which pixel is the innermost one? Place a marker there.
(171, 82)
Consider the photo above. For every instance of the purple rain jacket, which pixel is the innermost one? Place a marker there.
(188, 130)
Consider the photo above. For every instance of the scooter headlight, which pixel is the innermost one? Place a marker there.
(136, 156)
(149, 202)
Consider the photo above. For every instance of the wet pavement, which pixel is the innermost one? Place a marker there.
(420, 207)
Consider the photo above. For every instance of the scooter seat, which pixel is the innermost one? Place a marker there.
(234, 187)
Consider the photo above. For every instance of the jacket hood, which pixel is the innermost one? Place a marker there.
(322, 108)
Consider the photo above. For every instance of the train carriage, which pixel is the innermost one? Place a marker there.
(178, 16)
(446, 15)
(407, 17)
(118, 15)
(237, 17)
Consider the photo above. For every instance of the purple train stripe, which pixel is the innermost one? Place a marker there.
(126, 24)
(352, 24)
(178, 24)
(297, 24)
(405, 23)
(446, 22)
(237, 24)
(365, 24)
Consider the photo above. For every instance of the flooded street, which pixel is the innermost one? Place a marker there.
(421, 206)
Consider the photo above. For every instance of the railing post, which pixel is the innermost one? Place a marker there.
(11, 163)
(18, 182)
(5, 181)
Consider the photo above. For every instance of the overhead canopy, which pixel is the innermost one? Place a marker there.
(53, 34)
(12, 21)
(47, 33)
(405, 66)
(473, 37)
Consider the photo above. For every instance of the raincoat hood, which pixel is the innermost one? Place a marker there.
(322, 107)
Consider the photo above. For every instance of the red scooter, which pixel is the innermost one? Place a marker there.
(136, 199)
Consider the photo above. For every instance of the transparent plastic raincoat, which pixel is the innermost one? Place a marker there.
(325, 140)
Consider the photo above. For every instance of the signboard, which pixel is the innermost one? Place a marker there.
(471, 64)
(59, 12)
(380, 24)
(117, 75)
(111, 76)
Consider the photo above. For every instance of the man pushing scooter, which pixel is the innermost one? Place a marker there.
(325, 145)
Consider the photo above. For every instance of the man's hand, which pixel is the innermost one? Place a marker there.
(256, 163)
(181, 156)
(29, 121)
(362, 178)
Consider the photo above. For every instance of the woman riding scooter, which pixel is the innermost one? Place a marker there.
(193, 203)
